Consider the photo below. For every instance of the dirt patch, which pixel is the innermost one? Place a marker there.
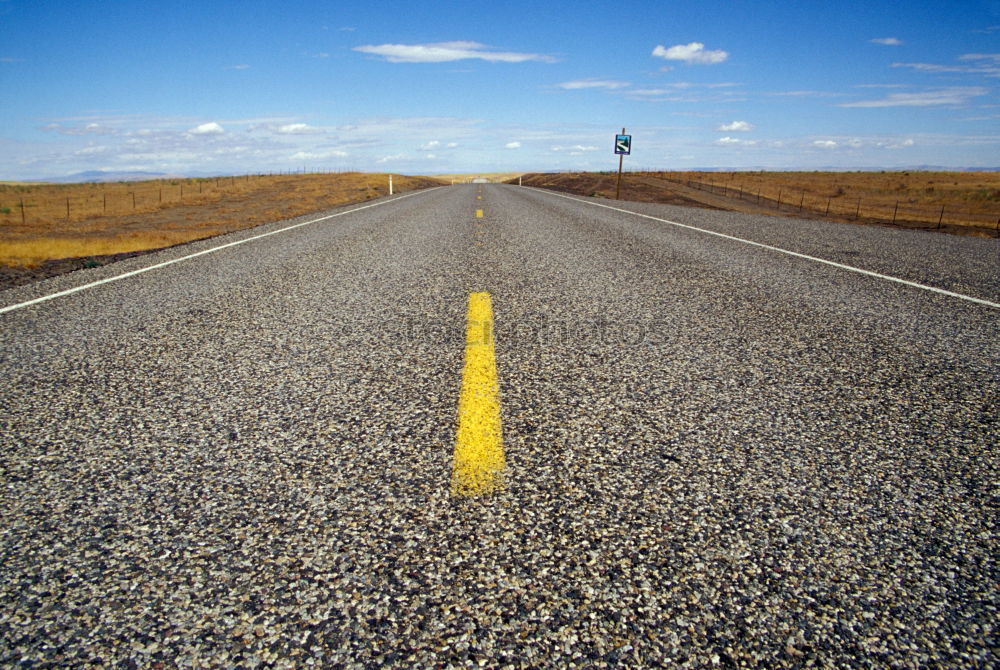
(601, 185)
(19, 276)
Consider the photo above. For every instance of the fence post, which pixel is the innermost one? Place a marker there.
(857, 212)
(940, 217)
(133, 199)
(801, 200)
(827, 212)
(894, 210)
(778, 205)
(105, 206)
(22, 211)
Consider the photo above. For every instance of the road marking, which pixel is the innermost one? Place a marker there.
(69, 291)
(479, 462)
(479, 197)
(479, 213)
(850, 268)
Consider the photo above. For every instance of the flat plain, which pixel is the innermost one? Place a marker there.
(966, 203)
(44, 222)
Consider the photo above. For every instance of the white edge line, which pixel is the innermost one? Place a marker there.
(851, 268)
(75, 289)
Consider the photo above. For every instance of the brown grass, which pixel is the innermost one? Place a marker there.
(113, 218)
(956, 202)
(950, 198)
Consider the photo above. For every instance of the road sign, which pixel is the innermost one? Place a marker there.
(623, 147)
(623, 144)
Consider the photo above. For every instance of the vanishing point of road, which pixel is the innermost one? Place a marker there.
(719, 443)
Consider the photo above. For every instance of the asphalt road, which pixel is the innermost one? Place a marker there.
(717, 454)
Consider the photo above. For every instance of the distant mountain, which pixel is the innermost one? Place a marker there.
(106, 175)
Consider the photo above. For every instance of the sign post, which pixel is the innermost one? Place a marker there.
(623, 147)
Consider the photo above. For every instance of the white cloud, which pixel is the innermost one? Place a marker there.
(392, 158)
(737, 126)
(734, 141)
(433, 144)
(442, 52)
(512, 145)
(91, 151)
(887, 41)
(992, 57)
(825, 144)
(451, 145)
(210, 128)
(809, 94)
(953, 95)
(575, 149)
(297, 129)
(593, 83)
(984, 64)
(89, 129)
(317, 155)
(652, 92)
(692, 54)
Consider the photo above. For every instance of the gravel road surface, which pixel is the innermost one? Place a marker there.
(717, 455)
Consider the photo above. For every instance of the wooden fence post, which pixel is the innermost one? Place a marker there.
(857, 212)
(894, 210)
(940, 217)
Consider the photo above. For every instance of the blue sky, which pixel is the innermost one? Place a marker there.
(439, 87)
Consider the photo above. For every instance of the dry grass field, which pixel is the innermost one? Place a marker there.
(43, 222)
(956, 202)
(968, 199)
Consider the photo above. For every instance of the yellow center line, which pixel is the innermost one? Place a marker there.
(479, 213)
(478, 465)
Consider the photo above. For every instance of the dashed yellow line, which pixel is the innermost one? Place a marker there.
(478, 465)
(479, 213)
